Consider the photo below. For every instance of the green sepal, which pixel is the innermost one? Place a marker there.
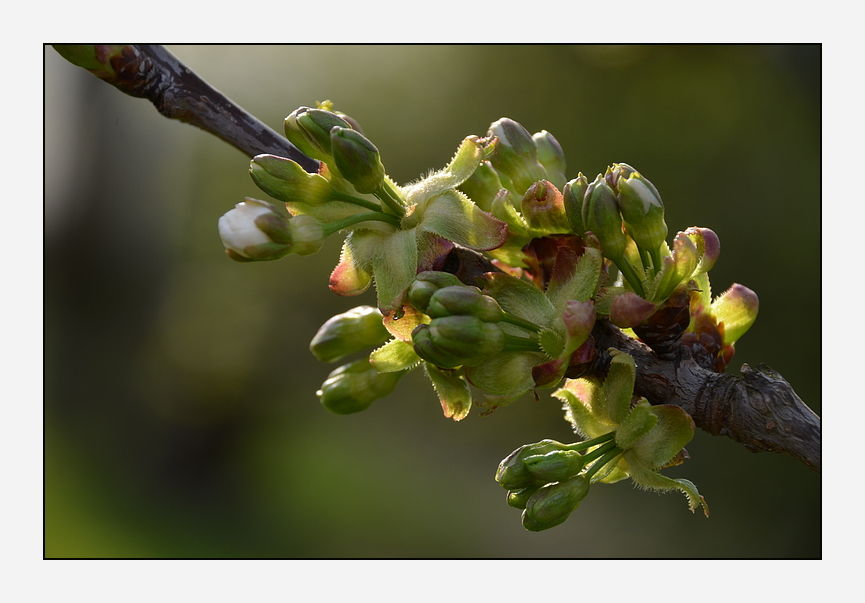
(639, 421)
(285, 180)
(454, 217)
(395, 355)
(464, 163)
(653, 480)
(618, 388)
(453, 391)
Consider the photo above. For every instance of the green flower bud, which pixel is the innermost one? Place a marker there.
(255, 230)
(519, 498)
(512, 473)
(309, 130)
(483, 185)
(427, 349)
(643, 212)
(357, 159)
(464, 300)
(467, 336)
(353, 387)
(573, 194)
(554, 466)
(285, 180)
(551, 156)
(516, 154)
(601, 216)
(348, 333)
(552, 504)
(425, 284)
(543, 208)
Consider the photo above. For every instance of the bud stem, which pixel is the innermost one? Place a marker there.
(630, 275)
(607, 453)
(520, 322)
(593, 442)
(333, 227)
(357, 201)
(390, 198)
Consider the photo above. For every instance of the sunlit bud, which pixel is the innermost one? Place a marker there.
(516, 154)
(357, 159)
(554, 466)
(483, 185)
(708, 247)
(309, 130)
(285, 180)
(426, 348)
(553, 503)
(737, 309)
(551, 156)
(353, 387)
(467, 336)
(255, 230)
(427, 283)
(573, 194)
(642, 210)
(519, 498)
(348, 333)
(543, 208)
(601, 216)
(460, 299)
(512, 473)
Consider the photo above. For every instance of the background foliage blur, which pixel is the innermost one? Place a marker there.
(180, 410)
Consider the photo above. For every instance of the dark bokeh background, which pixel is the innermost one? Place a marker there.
(180, 412)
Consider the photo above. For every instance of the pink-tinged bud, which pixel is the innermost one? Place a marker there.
(629, 310)
(543, 208)
(579, 318)
(708, 247)
(737, 309)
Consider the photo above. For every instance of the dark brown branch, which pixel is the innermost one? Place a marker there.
(151, 72)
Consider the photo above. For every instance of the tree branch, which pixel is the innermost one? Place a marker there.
(759, 409)
(151, 72)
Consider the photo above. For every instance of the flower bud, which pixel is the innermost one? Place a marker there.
(573, 195)
(426, 284)
(353, 387)
(285, 180)
(519, 498)
(357, 159)
(253, 230)
(708, 247)
(464, 300)
(601, 216)
(427, 349)
(309, 130)
(642, 210)
(467, 336)
(512, 473)
(737, 309)
(553, 503)
(516, 154)
(551, 156)
(543, 208)
(554, 466)
(483, 185)
(348, 333)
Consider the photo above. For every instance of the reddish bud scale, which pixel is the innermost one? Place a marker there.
(540, 256)
(663, 330)
(706, 344)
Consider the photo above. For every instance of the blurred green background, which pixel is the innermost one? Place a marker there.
(180, 410)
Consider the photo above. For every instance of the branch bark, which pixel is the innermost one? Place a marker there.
(758, 409)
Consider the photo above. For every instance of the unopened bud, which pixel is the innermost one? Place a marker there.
(353, 387)
(348, 333)
(357, 159)
(551, 156)
(309, 130)
(285, 180)
(553, 503)
(601, 216)
(464, 300)
(554, 466)
(543, 208)
(642, 210)
(254, 230)
(516, 154)
(573, 194)
(512, 473)
(737, 309)
(426, 284)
